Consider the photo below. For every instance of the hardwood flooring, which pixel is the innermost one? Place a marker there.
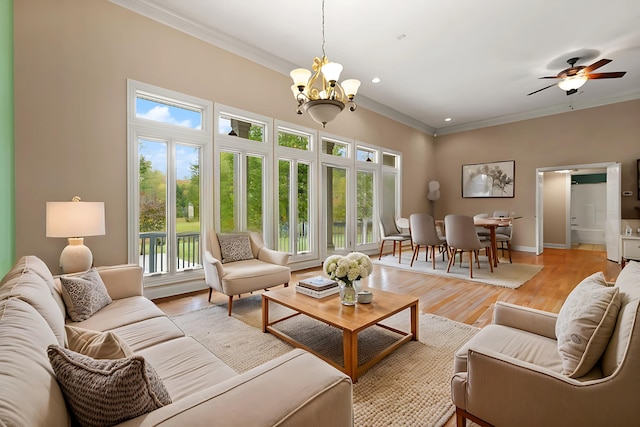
(461, 300)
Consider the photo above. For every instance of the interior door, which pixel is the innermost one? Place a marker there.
(539, 218)
(613, 218)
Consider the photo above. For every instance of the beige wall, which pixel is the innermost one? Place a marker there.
(595, 135)
(554, 204)
(72, 61)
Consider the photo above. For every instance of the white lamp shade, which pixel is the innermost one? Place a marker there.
(75, 219)
(573, 82)
(350, 87)
(331, 71)
(300, 76)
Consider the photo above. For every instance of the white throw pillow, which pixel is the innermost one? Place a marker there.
(585, 324)
(235, 247)
(84, 294)
(96, 344)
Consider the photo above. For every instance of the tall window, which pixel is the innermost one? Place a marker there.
(169, 140)
(243, 154)
(296, 160)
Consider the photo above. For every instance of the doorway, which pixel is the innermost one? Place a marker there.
(612, 217)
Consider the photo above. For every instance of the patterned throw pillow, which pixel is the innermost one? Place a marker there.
(107, 392)
(84, 294)
(95, 344)
(585, 324)
(235, 247)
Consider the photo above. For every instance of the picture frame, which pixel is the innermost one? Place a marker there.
(490, 180)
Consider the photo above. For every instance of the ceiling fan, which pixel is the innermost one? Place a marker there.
(574, 77)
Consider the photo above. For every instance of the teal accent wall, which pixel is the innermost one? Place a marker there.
(7, 175)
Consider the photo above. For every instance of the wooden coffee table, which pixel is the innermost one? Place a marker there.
(351, 320)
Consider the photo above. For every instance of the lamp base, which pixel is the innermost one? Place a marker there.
(76, 257)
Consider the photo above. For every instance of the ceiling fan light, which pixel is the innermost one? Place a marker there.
(571, 83)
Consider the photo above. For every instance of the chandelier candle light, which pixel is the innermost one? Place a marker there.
(348, 270)
(319, 93)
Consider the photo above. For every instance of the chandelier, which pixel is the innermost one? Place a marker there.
(319, 92)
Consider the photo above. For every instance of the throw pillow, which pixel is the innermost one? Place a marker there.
(95, 344)
(235, 247)
(585, 324)
(107, 392)
(84, 294)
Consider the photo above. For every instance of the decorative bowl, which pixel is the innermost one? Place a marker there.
(365, 297)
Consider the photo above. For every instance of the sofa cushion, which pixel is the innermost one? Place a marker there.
(84, 294)
(148, 332)
(29, 286)
(107, 392)
(95, 344)
(120, 312)
(29, 394)
(235, 247)
(585, 323)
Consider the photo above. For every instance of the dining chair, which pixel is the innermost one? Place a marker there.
(461, 236)
(500, 214)
(482, 232)
(389, 232)
(504, 235)
(424, 233)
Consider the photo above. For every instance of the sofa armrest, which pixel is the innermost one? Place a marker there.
(122, 281)
(273, 257)
(213, 271)
(524, 318)
(292, 390)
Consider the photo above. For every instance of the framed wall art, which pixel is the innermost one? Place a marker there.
(494, 179)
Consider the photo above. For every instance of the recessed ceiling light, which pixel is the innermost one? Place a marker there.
(401, 36)
(375, 80)
(448, 119)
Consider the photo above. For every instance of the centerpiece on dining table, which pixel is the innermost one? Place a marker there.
(348, 270)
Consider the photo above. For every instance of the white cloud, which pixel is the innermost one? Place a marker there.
(160, 113)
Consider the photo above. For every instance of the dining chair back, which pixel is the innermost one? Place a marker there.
(424, 233)
(482, 231)
(389, 232)
(461, 236)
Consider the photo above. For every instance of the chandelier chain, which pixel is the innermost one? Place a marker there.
(324, 55)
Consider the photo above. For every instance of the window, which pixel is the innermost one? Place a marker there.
(169, 144)
(243, 154)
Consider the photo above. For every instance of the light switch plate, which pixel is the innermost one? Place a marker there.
(627, 193)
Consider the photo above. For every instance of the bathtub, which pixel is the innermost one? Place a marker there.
(587, 236)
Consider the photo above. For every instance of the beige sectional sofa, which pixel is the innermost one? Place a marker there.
(292, 390)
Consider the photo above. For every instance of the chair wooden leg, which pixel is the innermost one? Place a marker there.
(286, 285)
(470, 263)
(399, 252)
(490, 255)
(509, 249)
(461, 421)
(210, 292)
(381, 246)
(433, 257)
(452, 259)
(416, 249)
(230, 303)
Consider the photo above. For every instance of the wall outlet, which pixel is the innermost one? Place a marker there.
(627, 193)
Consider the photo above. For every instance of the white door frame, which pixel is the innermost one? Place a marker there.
(539, 211)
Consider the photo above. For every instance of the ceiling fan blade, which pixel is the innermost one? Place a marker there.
(596, 65)
(549, 77)
(612, 75)
(541, 89)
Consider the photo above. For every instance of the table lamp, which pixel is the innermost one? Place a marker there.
(75, 220)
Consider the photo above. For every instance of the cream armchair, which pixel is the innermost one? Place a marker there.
(512, 374)
(256, 268)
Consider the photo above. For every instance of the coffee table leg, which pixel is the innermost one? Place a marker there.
(350, 353)
(414, 322)
(265, 314)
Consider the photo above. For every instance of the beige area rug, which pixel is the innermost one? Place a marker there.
(506, 275)
(410, 387)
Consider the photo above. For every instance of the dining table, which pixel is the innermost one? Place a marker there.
(491, 223)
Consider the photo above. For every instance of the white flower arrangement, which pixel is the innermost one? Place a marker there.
(348, 268)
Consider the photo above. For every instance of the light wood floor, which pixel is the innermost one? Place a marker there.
(460, 300)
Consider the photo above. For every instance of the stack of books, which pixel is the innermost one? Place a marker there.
(317, 287)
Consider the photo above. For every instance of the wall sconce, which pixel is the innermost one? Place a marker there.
(75, 220)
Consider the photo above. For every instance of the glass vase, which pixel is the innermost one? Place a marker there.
(348, 293)
(357, 285)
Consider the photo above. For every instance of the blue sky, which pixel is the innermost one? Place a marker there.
(156, 151)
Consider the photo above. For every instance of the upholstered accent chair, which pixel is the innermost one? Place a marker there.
(579, 367)
(461, 236)
(240, 263)
(389, 232)
(424, 233)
